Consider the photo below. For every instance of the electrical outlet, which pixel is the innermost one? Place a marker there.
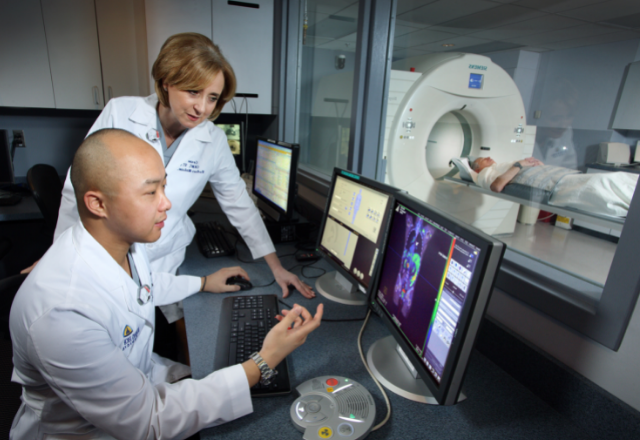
(18, 139)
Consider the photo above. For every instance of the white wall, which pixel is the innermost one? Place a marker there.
(522, 66)
(594, 72)
(616, 372)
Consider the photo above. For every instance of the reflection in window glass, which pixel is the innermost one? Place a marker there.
(514, 119)
(326, 82)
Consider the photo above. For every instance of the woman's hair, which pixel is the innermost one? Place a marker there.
(190, 61)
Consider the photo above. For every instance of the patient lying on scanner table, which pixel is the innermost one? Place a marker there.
(607, 194)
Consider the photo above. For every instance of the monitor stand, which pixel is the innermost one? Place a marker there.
(270, 212)
(392, 371)
(336, 287)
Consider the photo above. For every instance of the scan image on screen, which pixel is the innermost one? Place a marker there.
(339, 241)
(424, 280)
(359, 207)
(273, 171)
(233, 136)
(352, 231)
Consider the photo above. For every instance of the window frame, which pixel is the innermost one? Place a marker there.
(547, 290)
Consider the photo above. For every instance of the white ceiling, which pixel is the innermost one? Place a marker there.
(481, 26)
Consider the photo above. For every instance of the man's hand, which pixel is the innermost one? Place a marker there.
(530, 162)
(286, 336)
(290, 333)
(284, 278)
(217, 281)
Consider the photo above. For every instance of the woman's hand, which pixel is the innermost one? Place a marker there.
(217, 281)
(284, 278)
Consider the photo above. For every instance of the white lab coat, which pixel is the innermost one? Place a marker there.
(82, 376)
(203, 155)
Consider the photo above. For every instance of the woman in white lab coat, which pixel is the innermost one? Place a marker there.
(193, 82)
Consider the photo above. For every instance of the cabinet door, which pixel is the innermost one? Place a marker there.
(245, 36)
(25, 78)
(122, 36)
(72, 39)
(169, 17)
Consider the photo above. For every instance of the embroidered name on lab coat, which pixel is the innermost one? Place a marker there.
(129, 339)
(191, 166)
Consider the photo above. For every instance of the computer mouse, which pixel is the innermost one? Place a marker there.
(239, 281)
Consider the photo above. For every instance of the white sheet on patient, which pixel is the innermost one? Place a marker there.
(602, 193)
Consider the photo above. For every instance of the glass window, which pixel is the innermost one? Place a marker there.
(547, 88)
(326, 80)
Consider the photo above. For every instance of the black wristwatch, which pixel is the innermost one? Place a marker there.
(517, 165)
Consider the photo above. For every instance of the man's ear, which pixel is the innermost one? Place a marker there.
(95, 203)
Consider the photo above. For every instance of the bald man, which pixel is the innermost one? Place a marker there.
(82, 323)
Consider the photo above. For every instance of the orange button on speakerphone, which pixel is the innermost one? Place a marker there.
(332, 382)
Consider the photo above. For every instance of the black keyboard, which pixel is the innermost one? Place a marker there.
(212, 241)
(244, 322)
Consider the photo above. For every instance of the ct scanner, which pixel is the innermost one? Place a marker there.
(454, 105)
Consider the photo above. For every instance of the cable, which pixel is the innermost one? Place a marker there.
(309, 267)
(364, 361)
(324, 319)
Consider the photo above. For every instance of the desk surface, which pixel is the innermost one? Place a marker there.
(497, 407)
(26, 209)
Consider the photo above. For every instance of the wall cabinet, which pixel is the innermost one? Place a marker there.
(74, 54)
(71, 54)
(25, 77)
(123, 49)
(245, 37)
(243, 33)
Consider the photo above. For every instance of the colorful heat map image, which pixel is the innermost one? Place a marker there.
(413, 273)
(418, 233)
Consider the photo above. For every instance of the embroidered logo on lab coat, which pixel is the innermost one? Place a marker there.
(130, 338)
(191, 166)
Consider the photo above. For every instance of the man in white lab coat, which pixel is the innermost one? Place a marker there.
(82, 323)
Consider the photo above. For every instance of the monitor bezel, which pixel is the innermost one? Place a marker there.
(474, 308)
(374, 184)
(295, 153)
(6, 159)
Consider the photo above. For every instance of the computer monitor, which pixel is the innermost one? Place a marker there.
(274, 178)
(432, 289)
(6, 162)
(351, 235)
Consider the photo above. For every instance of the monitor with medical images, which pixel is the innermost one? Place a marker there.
(274, 177)
(6, 162)
(431, 291)
(351, 235)
(234, 136)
